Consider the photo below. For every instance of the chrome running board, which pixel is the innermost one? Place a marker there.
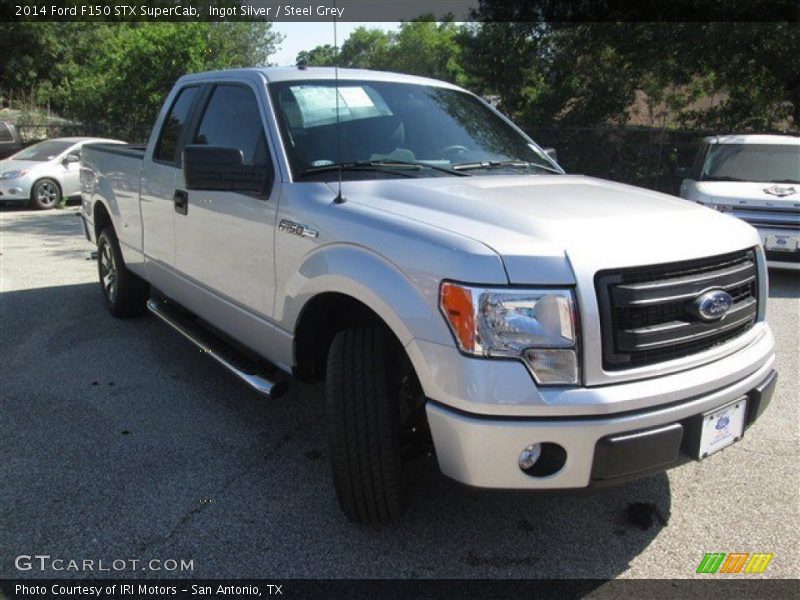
(252, 373)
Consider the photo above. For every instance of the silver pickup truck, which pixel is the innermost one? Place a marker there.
(458, 293)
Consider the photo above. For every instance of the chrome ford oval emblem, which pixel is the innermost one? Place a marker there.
(780, 191)
(712, 305)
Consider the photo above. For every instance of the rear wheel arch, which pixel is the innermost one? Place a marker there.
(102, 218)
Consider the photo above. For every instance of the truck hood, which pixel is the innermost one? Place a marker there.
(552, 229)
(749, 194)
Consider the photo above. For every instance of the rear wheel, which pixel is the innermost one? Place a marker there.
(373, 403)
(45, 194)
(125, 293)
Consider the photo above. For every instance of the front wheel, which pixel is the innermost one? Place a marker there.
(125, 293)
(45, 194)
(363, 399)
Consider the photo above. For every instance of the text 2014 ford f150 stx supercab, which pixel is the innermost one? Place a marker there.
(441, 273)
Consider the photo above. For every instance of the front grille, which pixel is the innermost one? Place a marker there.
(783, 256)
(647, 316)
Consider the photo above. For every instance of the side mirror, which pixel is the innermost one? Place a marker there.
(71, 158)
(219, 168)
(683, 172)
(551, 152)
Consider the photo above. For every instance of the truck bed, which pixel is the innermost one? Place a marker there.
(112, 172)
(131, 150)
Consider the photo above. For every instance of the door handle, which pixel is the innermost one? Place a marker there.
(181, 200)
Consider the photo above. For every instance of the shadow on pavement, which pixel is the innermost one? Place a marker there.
(119, 439)
(784, 284)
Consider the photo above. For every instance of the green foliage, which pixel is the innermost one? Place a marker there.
(713, 75)
(421, 47)
(589, 73)
(119, 73)
(321, 56)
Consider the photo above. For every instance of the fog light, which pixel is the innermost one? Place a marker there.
(529, 456)
(543, 459)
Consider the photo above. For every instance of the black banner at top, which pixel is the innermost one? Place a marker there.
(400, 10)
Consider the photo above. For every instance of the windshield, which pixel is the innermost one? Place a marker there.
(385, 123)
(42, 151)
(753, 162)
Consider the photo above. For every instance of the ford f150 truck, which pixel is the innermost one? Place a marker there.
(755, 178)
(403, 241)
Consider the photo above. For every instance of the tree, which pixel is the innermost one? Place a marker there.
(368, 49)
(425, 47)
(421, 47)
(547, 69)
(119, 73)
(321, 56)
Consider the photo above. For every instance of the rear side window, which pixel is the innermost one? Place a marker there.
(167, 146)
(5, 133)
(232, 119)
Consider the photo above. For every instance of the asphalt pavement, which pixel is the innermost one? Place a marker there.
(120, 441)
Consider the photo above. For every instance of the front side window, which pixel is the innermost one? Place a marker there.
(396, 123)
(167, 146)
(770, 163)
(232, 119)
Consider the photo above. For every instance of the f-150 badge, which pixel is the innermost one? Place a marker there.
(297, 229)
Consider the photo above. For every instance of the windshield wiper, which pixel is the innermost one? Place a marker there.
(384, 165)
(784, 181)
(502, 164)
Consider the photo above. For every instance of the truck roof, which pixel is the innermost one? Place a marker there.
(778, 140)
(275, 74)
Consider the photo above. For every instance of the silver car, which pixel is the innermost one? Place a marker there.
(44, 173)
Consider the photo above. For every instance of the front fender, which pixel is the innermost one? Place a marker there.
(371, 279)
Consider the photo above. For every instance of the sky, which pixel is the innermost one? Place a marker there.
(305, 36)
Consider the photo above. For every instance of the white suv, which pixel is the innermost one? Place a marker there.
(755, 178)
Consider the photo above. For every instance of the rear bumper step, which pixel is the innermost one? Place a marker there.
(256, 375)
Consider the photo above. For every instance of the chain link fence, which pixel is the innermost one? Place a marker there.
(645, 157)
(32, 133)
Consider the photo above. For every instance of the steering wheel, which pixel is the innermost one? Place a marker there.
(454, 148)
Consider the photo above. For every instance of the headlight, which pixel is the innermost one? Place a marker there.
(15, 174)
(538, 327)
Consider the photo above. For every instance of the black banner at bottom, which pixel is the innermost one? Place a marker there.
(389, 589)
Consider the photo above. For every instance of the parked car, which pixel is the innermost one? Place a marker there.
(757, 179)
(400, 239)
(44, 173)
(10, 140)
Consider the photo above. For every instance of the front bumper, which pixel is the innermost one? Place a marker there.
(483, 451)
(786, 257)
(15, 190)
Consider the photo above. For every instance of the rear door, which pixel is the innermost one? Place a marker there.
(161, 169)
(224, 240)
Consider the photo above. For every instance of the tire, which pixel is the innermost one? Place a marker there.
(45, 194)
(125, 293)
(363, 415)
